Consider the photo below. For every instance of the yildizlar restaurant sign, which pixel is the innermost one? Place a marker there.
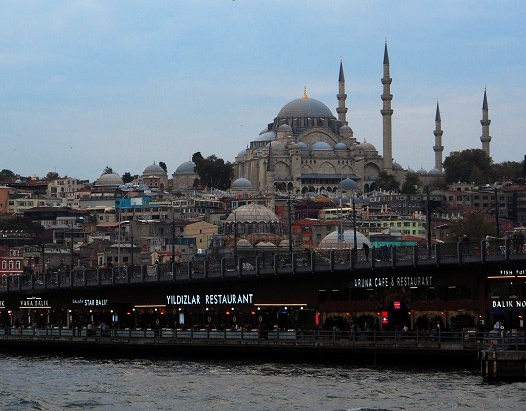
(392, 281)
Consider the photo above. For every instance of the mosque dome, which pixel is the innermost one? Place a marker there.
(345, 129)
(341, 146)
(365, 146)
(434, 171)
(242, 153)
(267, 136)
(305, 107)
(422, 172)
(252, 213)
(188, 167)
(276, 145)
(241, 183)
(321, 146)
(302, 146)
(348, 185)
(109, 180)
(397, 166)
(154, 169)
(285, 127)
(331, 241)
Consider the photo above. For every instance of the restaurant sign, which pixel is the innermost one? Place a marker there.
(91, 302)
(509, 304)
(209, 299)
(34, 302)
(512, 272)
(392, 281)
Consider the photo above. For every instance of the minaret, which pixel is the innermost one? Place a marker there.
(485, 137)
(387, 113)
(270, 178)
(341, 96)
(438, 147)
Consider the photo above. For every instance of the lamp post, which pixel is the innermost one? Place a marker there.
(497, 213)
(290, 227)
(428, 222)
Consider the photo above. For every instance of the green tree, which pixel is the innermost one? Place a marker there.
(6, 175)
(52, 175)
(213, 171)
(411, 183)
(387, 182)
(127, 177)
(474, 226)
(507, 170)
(468, 166)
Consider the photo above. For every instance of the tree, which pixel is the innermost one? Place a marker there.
(162, 164)
(507, 170)
(127, 177)
(213, 171)
(468, 166)
(52, 175)
(473, 226)
(411, 183)
(387, 182)
(6, 175)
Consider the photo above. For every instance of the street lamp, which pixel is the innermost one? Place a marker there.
(350, 185)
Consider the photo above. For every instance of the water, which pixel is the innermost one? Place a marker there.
(57, 383)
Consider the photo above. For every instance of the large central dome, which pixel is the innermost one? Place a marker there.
(305, 107)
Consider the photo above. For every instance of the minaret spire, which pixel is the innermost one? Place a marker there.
(387, 113)
(485, 122)
(342, 97)
(438, 147)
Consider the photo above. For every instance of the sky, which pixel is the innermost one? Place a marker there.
(91, 84)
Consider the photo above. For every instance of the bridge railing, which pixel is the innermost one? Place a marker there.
(254, 263)
(400, 339)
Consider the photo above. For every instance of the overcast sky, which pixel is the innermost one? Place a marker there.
(125, 84)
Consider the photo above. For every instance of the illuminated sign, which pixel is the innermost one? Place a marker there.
(34, 302)
(385, 317)
(509, 304)
(209, 299)
(396, 305)
(392, 281)
(513, 272)
(2, 304)
(91, 302)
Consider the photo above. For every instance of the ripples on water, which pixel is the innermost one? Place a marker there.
(56, 383)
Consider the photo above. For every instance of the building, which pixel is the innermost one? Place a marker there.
(308, 149)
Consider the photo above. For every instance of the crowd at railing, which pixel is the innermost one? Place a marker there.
(403, 339)
(269, 262)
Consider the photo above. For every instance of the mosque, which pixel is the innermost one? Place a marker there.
(307, 149)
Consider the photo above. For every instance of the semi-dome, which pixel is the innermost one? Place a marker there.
(154, 169)
(305, 107)
(332, 240)
(321, 146)
(241, 183)
(109, 180)
(267, 136)
(252, 213)
(188, 167)
(340, 146)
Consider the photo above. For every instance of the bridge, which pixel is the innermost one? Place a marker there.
(500, 253)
